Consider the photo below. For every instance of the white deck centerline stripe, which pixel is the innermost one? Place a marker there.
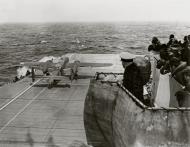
(21, 111)
(4, 106)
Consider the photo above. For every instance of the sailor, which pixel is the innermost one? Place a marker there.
(136, 74)
(186, 74)
(33, 74)
(126, 59)
(172, 41)
(183, 96)
(170, 58)
(188, 37)
(163, 62)
(185, 42)
(155, 46)
(182, 65)
(184, 51)
(27, 73)
(164, 52)
(16, 79)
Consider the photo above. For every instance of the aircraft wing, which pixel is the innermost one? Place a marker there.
(65, 77)
(54, 66)
(40, 65)
(11, 67)
(30, 64)
(86, 64)
(57, 86)
(51, 76)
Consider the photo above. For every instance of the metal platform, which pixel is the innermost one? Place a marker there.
(33, 115)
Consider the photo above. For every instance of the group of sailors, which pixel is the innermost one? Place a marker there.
(172, 53)
(175, 59)
(172, 57)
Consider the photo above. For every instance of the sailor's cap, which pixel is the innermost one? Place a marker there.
(127, 57)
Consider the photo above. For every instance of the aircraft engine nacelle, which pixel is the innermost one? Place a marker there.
(63, 65)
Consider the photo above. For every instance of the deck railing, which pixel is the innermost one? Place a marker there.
(136, 100)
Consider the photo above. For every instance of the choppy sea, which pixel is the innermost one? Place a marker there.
(28, 42)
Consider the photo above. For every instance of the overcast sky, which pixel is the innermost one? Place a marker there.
(94, 10)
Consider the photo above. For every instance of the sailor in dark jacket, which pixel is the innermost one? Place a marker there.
(136, 75)
(184, 51)
(183, 96)
(172, 41)
(155, 46)
(132, 81)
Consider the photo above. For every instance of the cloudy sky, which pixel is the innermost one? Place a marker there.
(94, 10)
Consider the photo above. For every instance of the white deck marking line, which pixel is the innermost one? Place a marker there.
(21, 111)
(19, 95)
(8, 100)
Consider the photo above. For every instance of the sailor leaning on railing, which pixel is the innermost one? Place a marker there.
(136, 75)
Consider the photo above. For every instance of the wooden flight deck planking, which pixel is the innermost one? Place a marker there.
(33, 114)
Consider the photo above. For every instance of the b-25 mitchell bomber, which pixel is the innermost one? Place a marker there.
(55, 72)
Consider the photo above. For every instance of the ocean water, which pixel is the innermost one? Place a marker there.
(31, 42)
